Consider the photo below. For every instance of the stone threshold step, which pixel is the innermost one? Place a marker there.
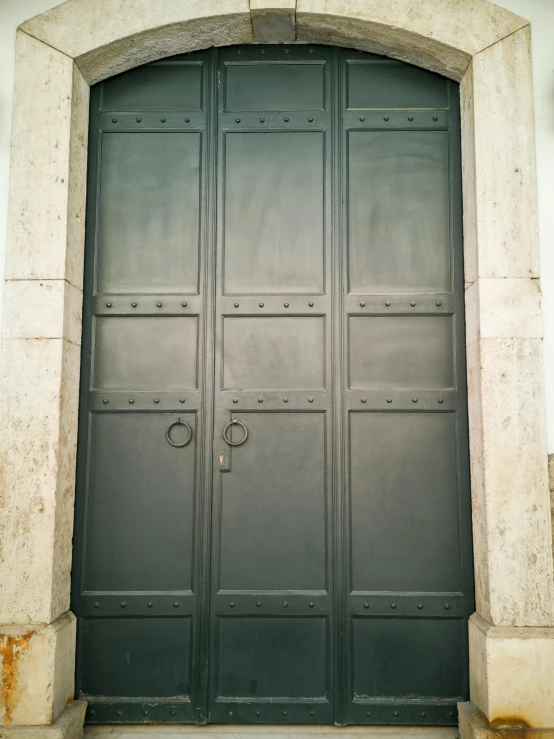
(239, 731)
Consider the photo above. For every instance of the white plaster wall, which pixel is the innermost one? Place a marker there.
(541, 14)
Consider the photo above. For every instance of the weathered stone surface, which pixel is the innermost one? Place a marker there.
(503, 308)
(39, 385)
(439, 35)
(139, 31)
(42, 309)
(273, 21)
(473, 725)
(69, 725)
(36, 671)
(510, 500)
(48, 166)
(513, 675)
(498, 148)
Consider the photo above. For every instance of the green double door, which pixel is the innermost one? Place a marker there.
(272, 520)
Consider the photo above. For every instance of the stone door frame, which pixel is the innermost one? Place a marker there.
(59, 55)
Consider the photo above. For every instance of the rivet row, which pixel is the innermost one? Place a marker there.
(135, 305)
(419, 606)
(262, 305)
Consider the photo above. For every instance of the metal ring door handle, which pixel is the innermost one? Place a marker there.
(235, 422)
(178, 422)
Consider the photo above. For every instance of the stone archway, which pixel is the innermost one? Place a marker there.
(59, 55)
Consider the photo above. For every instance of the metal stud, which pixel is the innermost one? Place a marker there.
(311, 604)
(285, 604)
(410, 118)
(257, 713)
(389, 400)
(174, 712)
(450, 714)
(311, 304)
(156, 400)
(131, 401)
(395, 713)
(236, 305)
(285, 400)
(262, 51)
(114, 120)
(184, 305)
(237, 120)
(235, 400)
(159, 305)
(387, 303)
(181, 400)
(286, 120)
(123, 604)
(447, 606)
(231, 604)
(286, 305)
(284, 712)
(441, 400)
(134, 305)
(423, 714)
(145, 713)
(311, 51)
(364, 400)
(105, 401)
(310, 400)
(362, 118)
(438, 303)
(163, 120)
(261, 305)
(260, 400)
(262, 120)
(176, 604)
(312, 712)
(149, 604)
(139, 120)
(412, 303)
(93, 712)
(287, 51)
(362, 304)
(393, 606)
(187, 120)
(419, 607)
(239, 52)
(368, 713)
(310, 119)
(97, 604)
(366, 606)
(258, 604)
(435, 118)
(108, 305)
(120, 713)
(414, 400)
(386, 118)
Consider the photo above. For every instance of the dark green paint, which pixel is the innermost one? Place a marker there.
(274, 235)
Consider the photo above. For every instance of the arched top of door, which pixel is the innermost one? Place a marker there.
(106, 37)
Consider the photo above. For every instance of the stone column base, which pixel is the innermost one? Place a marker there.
(473, 725)
(68, 725)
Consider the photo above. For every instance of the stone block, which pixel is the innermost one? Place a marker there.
(69, 725)
(37, 666)
(273, 21)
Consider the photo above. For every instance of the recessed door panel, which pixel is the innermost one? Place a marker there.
(398, 211)
(145, 353)
(414, 352)
(293, 648)
(404, 499)
(149, 212)
(274, 353)
(274, 212)
(273, 525)
(266, 86)
(387, 651)
(140, 508)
